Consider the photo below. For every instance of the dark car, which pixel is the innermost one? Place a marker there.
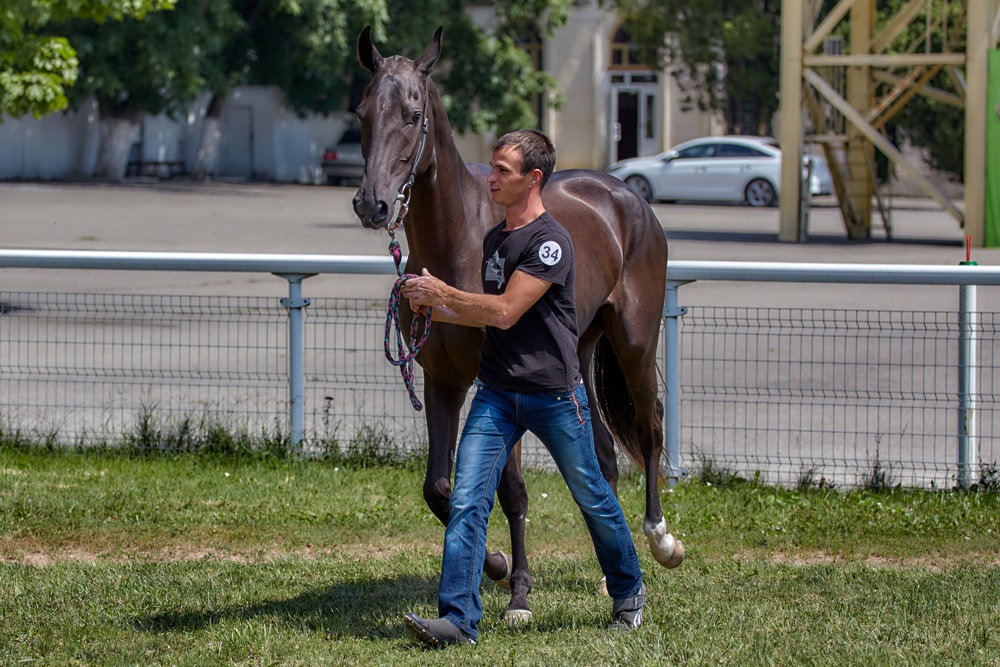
(344, 163)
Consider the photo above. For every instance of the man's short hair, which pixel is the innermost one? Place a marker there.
(537, 152)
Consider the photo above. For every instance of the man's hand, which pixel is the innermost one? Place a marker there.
(424, 291)
(474, 310)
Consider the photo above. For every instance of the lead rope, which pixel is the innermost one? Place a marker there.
(404, 358)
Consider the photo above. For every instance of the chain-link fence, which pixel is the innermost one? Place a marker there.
(845, 397)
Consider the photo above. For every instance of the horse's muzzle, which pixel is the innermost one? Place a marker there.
(372, 211)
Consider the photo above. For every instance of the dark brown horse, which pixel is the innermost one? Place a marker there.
(621, 256)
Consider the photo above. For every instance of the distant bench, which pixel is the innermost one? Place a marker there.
(162, 169)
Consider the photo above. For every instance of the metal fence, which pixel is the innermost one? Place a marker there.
(848, 397)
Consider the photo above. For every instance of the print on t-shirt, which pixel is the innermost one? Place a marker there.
(494, 270)
(550, 253)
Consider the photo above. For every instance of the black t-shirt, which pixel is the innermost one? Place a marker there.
(538, 353)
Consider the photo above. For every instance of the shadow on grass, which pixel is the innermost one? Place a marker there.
(369, 609)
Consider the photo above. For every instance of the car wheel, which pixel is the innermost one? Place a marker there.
(641, 186)
(760, 193)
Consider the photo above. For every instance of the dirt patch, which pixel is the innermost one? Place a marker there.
(932, 563)
(37, 556)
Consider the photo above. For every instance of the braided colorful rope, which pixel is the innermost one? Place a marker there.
(404, 358)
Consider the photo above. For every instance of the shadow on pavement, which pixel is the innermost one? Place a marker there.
(815, 239)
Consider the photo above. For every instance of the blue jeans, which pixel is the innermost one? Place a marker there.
(497, 420)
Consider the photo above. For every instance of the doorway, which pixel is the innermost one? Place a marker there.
(635, 131)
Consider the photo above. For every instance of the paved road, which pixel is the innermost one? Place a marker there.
(219, 217)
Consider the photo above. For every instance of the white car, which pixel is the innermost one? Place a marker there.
(717, 169)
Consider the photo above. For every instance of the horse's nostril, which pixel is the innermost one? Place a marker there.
(370, 209)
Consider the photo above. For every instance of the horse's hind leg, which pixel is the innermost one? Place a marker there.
(604, 444)
(513, 495)
(633, 336)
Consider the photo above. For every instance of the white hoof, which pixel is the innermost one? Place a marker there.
(505, 582)
(603, 587)
(666, 549)
(516, 617)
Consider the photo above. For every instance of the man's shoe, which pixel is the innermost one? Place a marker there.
(626, 614)
(436, 632)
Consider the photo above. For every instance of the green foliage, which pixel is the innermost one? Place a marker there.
(934, 126)
(36, 68)
(488, 79)
(741, 37)
(157, 65)
(306, 48)
(371, 446)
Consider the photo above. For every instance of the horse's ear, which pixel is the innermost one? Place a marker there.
(425, 63)
(368, 55)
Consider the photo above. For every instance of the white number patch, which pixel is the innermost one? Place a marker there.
(550, 253)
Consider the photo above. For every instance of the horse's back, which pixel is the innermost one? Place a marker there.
(582, 199)
(619, 244)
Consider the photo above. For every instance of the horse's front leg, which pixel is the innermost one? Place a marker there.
(442, 404)
(513, 495)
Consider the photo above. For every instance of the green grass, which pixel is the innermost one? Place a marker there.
(200, 559)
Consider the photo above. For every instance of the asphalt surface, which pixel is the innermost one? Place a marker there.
(220, 217)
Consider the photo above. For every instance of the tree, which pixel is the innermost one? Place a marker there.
(488, 79)
(36, 69)
(157, 65)
(726, 53)
(307, 49)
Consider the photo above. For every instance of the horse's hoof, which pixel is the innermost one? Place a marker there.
(516, 617)
(667, 550)
(603, 587)
(504, 582)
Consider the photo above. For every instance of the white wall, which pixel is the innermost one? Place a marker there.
(55, 146)
(273, 143)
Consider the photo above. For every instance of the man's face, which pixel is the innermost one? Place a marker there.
(508, 186)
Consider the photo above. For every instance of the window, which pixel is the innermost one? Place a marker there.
(701, 150)
(738, 150)
(531, 42)
(624, 54)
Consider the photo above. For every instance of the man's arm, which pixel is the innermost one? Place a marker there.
(475, 310)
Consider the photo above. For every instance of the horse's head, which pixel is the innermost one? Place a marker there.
(393, 114)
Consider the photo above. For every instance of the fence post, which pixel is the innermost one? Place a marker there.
(967, 450)
(296, 350)
(672, 379)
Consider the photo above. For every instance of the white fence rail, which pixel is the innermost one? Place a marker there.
(704, 436)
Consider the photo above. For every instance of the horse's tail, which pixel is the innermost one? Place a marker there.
(615, 401)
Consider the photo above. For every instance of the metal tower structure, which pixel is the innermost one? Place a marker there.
(838, 71)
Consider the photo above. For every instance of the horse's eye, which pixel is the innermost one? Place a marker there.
(415, 118)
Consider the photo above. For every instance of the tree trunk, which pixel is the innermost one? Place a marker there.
(207, 159)
(117, 136)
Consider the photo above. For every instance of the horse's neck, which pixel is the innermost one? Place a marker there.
(449, 214)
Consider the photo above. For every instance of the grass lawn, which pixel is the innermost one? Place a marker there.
(197, 559)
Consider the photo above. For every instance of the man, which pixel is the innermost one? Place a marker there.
(529, 380)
